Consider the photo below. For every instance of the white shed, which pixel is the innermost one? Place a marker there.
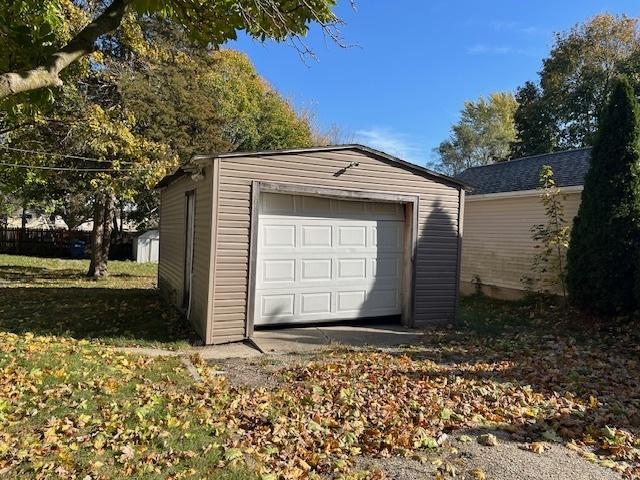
(146, 247)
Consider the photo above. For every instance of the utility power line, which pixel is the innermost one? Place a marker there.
(64, 155)
(70, 169)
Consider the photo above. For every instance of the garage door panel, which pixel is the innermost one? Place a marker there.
(352, 236)
(386, 267)
(351, 301)
(278, 235)
(315, 269)
(316, 236)
(352, 268)
(276, 305)
(387, 236)
(278, 271)
(383, 299)
(315, 263)
(315, 303)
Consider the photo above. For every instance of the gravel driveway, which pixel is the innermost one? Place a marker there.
(502, 462)
(505, 461)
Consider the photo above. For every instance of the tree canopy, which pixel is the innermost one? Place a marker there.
(147, 96)
(534, 132)
(210, 102)
(43, 44)
(576, 77)
(482, 135)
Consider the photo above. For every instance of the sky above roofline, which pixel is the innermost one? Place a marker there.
(411, 64)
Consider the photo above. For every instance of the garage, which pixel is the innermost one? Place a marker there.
(306, 236)
(322, 259)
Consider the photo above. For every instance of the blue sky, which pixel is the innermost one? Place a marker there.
(414, 63)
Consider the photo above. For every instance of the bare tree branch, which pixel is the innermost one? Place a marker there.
(81, 45)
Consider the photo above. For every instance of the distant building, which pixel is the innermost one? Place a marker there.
(35, 220)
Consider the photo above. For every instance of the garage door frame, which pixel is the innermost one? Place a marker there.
(410, 234)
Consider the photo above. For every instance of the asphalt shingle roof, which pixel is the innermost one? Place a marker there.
(569, 169)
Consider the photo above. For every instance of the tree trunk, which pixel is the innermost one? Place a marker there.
(103, 212)
(23, 226)
(116, 228)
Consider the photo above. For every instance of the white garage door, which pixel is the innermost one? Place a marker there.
(322, 259)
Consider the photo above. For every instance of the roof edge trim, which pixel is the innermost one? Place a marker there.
(520, 193)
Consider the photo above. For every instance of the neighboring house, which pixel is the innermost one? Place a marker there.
(500, 209)
(123, 226)
(34, 220)
(308, 235)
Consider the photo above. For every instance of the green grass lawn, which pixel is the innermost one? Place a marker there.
(72, 406)
(73, 409)
(54, 297)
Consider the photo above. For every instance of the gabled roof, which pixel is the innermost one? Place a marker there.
(183, 170)
(569, 169)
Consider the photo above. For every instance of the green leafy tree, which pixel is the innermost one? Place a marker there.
(551, 240)
(46, 45)
(534, 134)
(136, 164)
(145, 101)
(62, 89)
(574, 82)
(483, 135)
(603, 271)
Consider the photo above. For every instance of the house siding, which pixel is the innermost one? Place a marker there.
(437, 245)
(172, 246)
(497, 244)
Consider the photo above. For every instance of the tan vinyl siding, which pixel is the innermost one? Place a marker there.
(437, 249)
(497, 244)
(172, 246)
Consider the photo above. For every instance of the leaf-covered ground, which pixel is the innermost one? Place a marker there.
(77, 408)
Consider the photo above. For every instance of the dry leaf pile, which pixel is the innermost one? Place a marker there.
(73, 409)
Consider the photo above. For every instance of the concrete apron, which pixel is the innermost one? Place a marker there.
(313, 339)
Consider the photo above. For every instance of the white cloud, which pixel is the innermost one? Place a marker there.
(392, 142)
(484, 49)
(517, 27)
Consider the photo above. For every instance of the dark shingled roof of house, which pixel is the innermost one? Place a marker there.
(569, 169)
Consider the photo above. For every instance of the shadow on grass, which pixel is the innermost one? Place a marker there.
(60, 300)
(24, 274)
(107, 314)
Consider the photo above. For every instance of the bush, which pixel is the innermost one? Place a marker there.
(603, 271)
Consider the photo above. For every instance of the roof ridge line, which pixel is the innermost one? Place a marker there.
(529, 157)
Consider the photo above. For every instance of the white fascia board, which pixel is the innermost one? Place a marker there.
(519, 193)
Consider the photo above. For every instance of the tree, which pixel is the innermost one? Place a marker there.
(534, 132)
(483, 135)
(551, 238)
(603, 271)
(574, 82)
(142, 105)
(44, 56)
(210, 102)
(135, 163)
